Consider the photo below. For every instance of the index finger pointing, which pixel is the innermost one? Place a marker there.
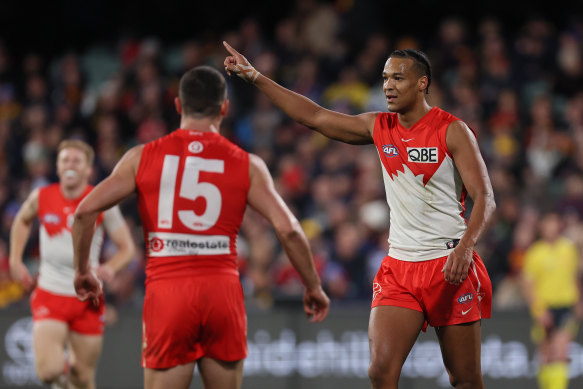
(230, 49)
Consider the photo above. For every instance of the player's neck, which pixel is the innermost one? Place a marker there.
(73, 193)
(412, 116)
(203, 124)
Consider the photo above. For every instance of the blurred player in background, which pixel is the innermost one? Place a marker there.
(60, 319)
(193, 187)
(429, 158)
(552, 279)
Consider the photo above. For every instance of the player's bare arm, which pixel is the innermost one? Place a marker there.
(19, 234)
(353, 129)
(463, 146)
(264, 199)
(116, 187)
(119, 233)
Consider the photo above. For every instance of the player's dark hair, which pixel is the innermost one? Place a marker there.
(202, 90)
(421, 63)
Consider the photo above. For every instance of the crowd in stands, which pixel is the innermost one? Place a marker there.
(521, 92)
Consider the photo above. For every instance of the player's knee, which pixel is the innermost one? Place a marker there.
(382, 377)
(469, 382)
(48, 374)
(81, 376)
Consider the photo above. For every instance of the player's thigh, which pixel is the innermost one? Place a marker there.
(49, 338)
(85, 349)
(392, 332)
(177, 377)
(461, 349)
(218, 374)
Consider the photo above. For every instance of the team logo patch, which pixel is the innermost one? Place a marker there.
(156, 244)
(51, 218)
(390, 151)
(195, 147)
(422, 154)
(452, 244)
(42, 311)
(466, 298)
(376, 290)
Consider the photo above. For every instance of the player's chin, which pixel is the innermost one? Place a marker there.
(393, 107)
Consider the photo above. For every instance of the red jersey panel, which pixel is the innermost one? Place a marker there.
(424, 189)
(192, 194)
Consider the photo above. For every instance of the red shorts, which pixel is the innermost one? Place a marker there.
(81, 316)
(421, 286)
(188, 318)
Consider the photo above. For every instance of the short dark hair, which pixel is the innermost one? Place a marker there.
(421, 63)
(202, 90)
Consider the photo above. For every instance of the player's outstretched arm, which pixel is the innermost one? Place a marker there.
(117, 186)
(265, 200)
(19, 234)
(464, 149)
(346, 128)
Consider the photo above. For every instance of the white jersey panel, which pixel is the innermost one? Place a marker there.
(424, 218)
(56, 271)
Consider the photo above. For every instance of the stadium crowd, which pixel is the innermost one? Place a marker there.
(522, 93)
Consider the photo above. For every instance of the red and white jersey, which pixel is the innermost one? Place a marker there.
(56, 214)
(192, 194)
(423, 186)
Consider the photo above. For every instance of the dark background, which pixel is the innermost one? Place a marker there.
(51, 27)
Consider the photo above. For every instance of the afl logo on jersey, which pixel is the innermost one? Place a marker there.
(51, 218)
(390, 151)
(195, 147)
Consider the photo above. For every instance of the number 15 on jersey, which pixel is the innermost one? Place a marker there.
(190, 188)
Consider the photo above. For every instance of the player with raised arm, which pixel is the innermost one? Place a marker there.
(60, 319)
(193, 187)
(430, 159)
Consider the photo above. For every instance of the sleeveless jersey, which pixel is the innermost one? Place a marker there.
(56, 214)
(192, 193)
(424, 189)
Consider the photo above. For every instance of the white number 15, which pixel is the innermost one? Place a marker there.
(190, 188)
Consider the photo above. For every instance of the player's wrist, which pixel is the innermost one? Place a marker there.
(317, 286)
(247, 72)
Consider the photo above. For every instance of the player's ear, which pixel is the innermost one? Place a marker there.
(422, 83)
(178, 105)
(224, 107)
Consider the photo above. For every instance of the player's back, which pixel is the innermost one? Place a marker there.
(192, 194)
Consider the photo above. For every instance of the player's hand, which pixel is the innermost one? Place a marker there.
(87, 287)
(455, 270)
(20, 273)
(105, 273)
(316, 304)
(236, 63)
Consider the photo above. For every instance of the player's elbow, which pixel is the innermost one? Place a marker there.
(490, 203)
(84, 214)
(129, 250)
(289, 230)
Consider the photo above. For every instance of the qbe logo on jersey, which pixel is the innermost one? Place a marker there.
(422, 154)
